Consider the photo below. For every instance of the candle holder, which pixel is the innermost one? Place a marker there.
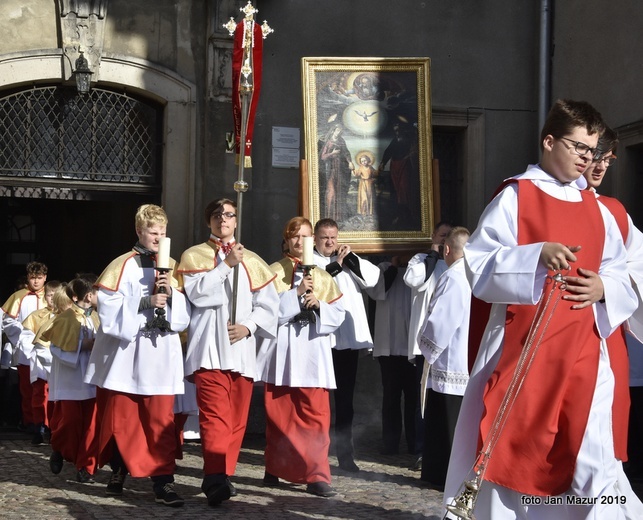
(306, 316)
(159, 321)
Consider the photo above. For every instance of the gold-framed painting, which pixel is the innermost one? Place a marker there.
(368, 166)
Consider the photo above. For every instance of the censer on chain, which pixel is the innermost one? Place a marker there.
(463, 504)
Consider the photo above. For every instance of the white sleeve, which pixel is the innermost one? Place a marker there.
(207, 289)
(178, 311)
(415, 273)
(265, 307)
(331, 316)
(620, 300)
(66, 358)
(12, 327)
(444, 317)
(499, 270)
(370, 272)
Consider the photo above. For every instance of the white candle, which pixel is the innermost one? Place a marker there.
(163, 256)
(307, 256)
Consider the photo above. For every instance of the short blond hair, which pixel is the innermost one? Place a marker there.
(149, 214)
(61, 300)
(457, 238)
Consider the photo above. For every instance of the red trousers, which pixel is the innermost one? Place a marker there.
(41, 408)
(179, 424)
(224, 400)
(24, 384)
(142, 426)
(73, 432)
(297, 433)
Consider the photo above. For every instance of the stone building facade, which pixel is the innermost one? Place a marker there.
(155, 125)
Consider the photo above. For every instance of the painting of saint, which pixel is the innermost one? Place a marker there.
(369, 125)
(336, 167)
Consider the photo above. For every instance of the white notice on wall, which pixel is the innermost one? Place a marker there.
(285, 137)
(285, 147)
(285, 157)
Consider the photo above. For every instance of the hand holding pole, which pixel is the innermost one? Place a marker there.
(246, 80)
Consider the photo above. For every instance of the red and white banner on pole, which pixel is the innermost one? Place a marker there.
(247, 57)
(247, 34)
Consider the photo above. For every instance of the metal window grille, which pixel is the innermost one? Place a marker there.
(101, 137)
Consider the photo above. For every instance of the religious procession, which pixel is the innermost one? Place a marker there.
(385, 321)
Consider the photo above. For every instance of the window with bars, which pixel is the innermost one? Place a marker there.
(101, 137)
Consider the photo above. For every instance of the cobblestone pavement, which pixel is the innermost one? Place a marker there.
(384, 488)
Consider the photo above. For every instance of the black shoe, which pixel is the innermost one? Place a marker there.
(348, 465)
(168, 496)
(115, 484)
(217, 493)
(417, 465)
(85, 477)
(233, 490)
(270, 480)
(56, 462)
(320, 489)
(38, 439)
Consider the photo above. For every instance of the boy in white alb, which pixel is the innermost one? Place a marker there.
(543, 222)
(137, 367)
(297, 368)
(221, 355)
(444, 343)
(16, 309)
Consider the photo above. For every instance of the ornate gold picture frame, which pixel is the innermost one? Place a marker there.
(367, 124)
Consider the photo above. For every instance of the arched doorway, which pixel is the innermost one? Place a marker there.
(73, 169)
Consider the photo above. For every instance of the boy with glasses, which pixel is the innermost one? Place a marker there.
(620, 361)
(221, 353)
(556, 441)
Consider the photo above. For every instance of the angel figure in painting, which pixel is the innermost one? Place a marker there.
(366, 188)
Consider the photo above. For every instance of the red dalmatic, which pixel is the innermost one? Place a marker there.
(537, 449)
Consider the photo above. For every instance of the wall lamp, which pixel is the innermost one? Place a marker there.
(83, 75)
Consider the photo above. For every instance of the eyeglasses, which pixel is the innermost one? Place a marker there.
(608, 161)
(580, 148)
(227, 215)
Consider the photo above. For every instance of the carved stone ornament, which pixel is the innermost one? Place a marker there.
(83, 8)
(82, 28)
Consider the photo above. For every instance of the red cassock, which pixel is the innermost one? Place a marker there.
(224, 398)
(42, 409)
(297, 438)
(147, 443)
(73, 432)
(26, 393)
